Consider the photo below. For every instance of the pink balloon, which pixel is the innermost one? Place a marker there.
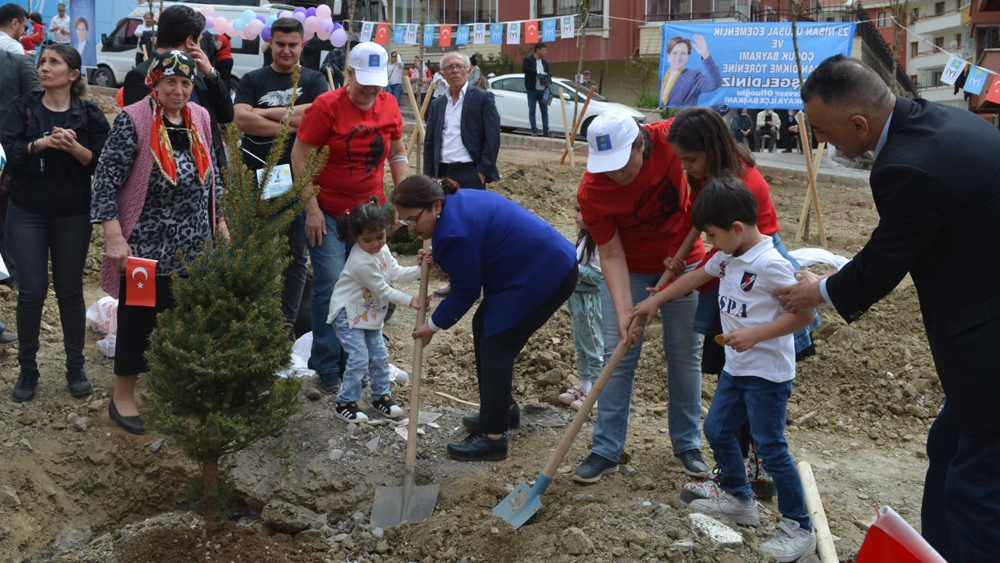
(249, 34)
(284, 14)
(255, 26)
(312, 22)
(338, 38)
(323, 35)
(323, 12)
(301, 16)
(221, 25)
(209, 11)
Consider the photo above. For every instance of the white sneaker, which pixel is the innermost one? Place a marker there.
(728, 506)
(578, 404)
(790, 543)
(572, 395)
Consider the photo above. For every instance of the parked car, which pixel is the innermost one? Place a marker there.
(512, 103)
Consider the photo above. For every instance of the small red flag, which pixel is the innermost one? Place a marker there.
(382, 34)
(993, 95)
(531, 32)
(140, 277)
(445, 40)
(891, 538)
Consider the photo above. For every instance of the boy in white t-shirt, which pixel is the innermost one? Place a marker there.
(760, 362)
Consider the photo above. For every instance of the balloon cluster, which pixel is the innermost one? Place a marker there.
(317, 22)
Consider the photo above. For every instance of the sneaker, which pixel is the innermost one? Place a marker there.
(574, 393)
(726, 505)
(24, 389)
(578, 404)
(694, 464)
(762, 484)
(386, 406)
(593, 468)
(350, 412)
(709, 489)
(790, 543)
(78, 384)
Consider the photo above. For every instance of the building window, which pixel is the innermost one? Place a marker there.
(936, 77)
(882, 19)
(958, 40)
(938, 8)
(554, 8)
(914, 49)
(939, 42)
(446, 11)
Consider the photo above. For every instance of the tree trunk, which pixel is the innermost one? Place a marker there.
(210, 494)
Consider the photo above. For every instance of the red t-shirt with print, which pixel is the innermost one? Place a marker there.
(226, 51)
(359, 144)
(651, 215)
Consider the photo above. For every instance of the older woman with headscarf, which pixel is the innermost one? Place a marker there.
(155, 192)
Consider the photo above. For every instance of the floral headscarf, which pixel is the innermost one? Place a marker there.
(173, 63)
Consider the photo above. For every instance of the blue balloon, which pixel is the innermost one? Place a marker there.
(249, 16)
(270, 19)
(239, 25)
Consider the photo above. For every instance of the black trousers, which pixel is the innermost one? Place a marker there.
(464, 173)
(33, 238)
(495, 357)
(295, 273)
(225, 69)
(135, 324)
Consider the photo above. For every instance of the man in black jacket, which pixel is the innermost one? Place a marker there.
(463, 129)
(537, 78)
(936, 184)
(180, 28)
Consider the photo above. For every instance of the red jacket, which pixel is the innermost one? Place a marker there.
(29, 42)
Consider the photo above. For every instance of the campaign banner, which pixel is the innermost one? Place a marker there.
(976, 80)
(741, 65)
(82, 33)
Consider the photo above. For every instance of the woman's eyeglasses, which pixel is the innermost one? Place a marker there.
(411, 222)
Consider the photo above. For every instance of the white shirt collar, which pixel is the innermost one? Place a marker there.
(757, 249)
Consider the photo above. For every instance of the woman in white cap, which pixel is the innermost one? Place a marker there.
(363, 127)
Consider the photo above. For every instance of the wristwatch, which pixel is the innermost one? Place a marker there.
(213, 73)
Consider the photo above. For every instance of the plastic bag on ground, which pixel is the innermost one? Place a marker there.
(102, 316)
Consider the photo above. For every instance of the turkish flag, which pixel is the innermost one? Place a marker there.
(993, 95)
(891, 538)
(140, 277)
(445, 40)
(531, 32)
(382, 33)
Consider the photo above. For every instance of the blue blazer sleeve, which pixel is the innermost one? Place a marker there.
(491, 137)
(462, 258)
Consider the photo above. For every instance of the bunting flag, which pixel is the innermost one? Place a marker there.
(531, 32)
(140, 282)
(445, 39)
(411, 34)
(480, 34)
(463, 35)
(496, 34)
(428, 36)
(954, 68)
(382, 34)
(549, 30)
(568, 27)
(366, 31)
(514, 33)
(398, 33)
(993, 94)
(976, 80)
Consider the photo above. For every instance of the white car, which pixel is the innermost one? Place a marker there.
(512, 103)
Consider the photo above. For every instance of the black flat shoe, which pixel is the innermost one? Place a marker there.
(478, 447)
(130, 424)
(471, 421)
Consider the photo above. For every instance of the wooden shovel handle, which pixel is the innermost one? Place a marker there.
(576, 126)
(588, 403)
(418, 353)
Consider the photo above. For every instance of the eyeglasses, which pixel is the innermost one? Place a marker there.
(411, 222)
(454, 68)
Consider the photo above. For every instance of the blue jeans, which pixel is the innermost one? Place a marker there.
(682, 349)
(765, 404)
(960, 513)
(588, 333)
(535, 97)
(397, 91)
(366, 353)
(328, 261)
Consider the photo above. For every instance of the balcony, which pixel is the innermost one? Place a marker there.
(927, 59)
(932, 24)
(942, 94)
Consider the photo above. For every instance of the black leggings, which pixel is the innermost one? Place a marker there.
(225, 69)
(495, 356)
(33, 237)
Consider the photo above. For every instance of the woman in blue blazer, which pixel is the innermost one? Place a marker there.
(525, 271)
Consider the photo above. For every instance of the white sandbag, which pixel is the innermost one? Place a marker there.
(810, 256)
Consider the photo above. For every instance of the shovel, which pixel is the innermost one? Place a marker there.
(525, 501)
(411, 502)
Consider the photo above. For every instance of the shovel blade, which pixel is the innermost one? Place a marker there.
(394, 505)
(519, 506)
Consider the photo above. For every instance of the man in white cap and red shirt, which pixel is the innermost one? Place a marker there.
(634, 201)
(362, 126)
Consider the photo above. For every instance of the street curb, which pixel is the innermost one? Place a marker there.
(827, 177)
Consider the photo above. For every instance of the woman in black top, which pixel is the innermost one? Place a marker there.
(53, 140)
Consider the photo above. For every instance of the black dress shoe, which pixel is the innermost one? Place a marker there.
(131, 424)
(478, 447)
(24, 389)
(78, 384)
(471, 421)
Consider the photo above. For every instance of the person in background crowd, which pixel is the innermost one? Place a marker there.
(145, 32)
(395, 86)
(262, 98)
(53, 141)
(335, 62)
(180, 29)
(537, 78)
(742, 128)
(224, 57)
(586, 81)
(311, 51)
(420, 78)
(13, 20)
(768, 125)
(59, 26)
(363, 128)
(440, 85)
(793, 131)
(31, 41)
(156, 194)
(475, 73)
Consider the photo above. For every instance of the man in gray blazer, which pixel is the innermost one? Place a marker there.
(463, 130)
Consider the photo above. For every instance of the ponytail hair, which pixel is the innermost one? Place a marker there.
(369, 216)
(422, 191)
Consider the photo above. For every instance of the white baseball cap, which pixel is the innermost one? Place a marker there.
(369, 61)
(609, 139)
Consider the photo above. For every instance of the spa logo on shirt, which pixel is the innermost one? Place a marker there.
(604, 143)
(746, 284)
(373, 60)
